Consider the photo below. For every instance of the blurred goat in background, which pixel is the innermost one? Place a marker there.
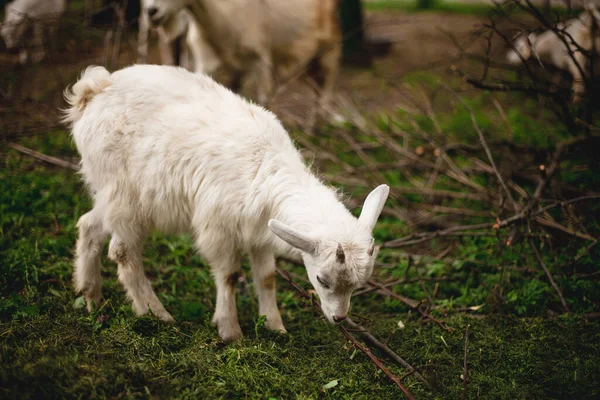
(181, 42)
(262, 43)
(567, 47)
(27, 26)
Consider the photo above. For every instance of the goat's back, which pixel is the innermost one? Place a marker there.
(168, 141)
(35, 8)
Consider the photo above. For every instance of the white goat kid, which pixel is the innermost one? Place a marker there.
(547, 48)
(261, 41)
(28, 23)
(167, 149)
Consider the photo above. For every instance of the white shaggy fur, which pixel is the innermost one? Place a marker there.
(262, 41)
(167, 149)
(547, 48)
(27, 23)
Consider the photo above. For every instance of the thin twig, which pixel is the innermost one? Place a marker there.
(549, 275)
(421, 237)
(43, 157)
(384, 348)
(400, 282)
(466, 374)
(415, 305)
(485, 146)
(376, 361)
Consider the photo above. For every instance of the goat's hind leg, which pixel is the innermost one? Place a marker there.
(86, 275)
(128, 256)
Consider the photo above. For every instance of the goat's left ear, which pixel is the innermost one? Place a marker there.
(373, 206)
(293, 237)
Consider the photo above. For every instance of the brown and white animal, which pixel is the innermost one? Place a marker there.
(27, 24)
(547, 48)
(163, 148)
(264, 41)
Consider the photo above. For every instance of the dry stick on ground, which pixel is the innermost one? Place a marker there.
(466, 230)
(384, 348)
(387, 141)
(457, 173)
(466, 374)
(549, 275)
(400, 282)
(485, 146)
(555, 225)
(502, 113)
(347, 334)
(581, 255)
(409, 302)
(377, 362)
(43, 157)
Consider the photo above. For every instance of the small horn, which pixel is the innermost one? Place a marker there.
(339, 254)
(371, 247)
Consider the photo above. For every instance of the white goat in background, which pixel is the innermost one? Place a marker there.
(262, 41)
(163, 148)
(195, 55)
(547, 48)
(27, 23)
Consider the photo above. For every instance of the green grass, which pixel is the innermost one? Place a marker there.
(50, 347)
(445, 6)
(449, 7)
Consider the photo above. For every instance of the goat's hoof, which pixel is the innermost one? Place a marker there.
(276, 327)
(228, 331)
(92, 300)
(230, 334)
(165, 316)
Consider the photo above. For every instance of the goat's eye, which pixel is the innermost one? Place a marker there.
(322, 282)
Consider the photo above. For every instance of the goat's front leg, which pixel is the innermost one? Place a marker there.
(330, 66)
(204, 59)
(263, 273)
(143, 36)
(38, 51)
(263, 71)
(226, 270)
(578, 77)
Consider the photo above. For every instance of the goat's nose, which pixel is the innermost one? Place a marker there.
(339, 318)
(151, 11)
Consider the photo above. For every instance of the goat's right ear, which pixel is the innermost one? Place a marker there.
(293, 237)
(373, 206)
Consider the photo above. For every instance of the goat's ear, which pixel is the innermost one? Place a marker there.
(293, 237)
(373, 206)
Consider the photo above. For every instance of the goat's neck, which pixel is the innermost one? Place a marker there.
(212, 18)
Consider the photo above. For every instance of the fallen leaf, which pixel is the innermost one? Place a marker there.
(79, 302)
(331, 384)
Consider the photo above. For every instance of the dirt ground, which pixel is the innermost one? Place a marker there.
(30, 96)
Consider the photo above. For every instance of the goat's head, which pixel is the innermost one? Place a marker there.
(160, 11)
(523, 46)
(336, 267)
(13, 28)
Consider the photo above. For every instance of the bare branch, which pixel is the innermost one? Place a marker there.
(43, 157)
(549, 275)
